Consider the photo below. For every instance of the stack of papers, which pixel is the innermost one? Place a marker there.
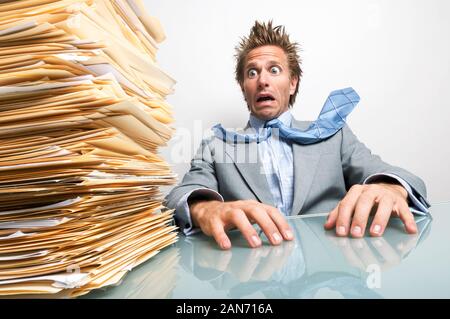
(82, 115)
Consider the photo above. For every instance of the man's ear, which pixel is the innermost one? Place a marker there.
(293, 84)
(242, 90)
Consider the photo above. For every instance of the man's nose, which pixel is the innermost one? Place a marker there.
(263, 79)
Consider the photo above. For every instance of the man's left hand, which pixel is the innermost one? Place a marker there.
(350, 216)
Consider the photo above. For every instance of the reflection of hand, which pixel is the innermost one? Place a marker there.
(350, 216)
(362, 252)
(270, 260)
(215, 218)
(215, 259)
(246, 264)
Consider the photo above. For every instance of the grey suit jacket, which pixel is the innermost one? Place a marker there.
(323, 172)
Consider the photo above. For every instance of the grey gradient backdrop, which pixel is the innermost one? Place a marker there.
(395, 54)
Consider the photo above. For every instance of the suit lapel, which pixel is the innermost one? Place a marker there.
(306, 159)
(247, 161)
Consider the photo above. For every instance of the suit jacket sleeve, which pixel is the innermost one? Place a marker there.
(360, 166)
(200, 181)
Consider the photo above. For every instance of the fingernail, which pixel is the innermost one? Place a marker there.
(288, 234)
(225, 244)
(356, 230)
(341, 230)
(256, 241)
(276, 238)
(377, 229)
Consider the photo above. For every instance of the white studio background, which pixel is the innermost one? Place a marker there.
(395, 54)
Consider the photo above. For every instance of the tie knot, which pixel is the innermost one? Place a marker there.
(273, 123)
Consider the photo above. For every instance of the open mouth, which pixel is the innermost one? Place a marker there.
(265, 97)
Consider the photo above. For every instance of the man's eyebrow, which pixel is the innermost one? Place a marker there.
(271, 62)
(250, 65)
(274, 62)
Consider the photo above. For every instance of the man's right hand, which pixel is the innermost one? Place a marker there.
(216, 217)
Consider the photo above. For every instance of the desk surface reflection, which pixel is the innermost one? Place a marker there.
(317, 264)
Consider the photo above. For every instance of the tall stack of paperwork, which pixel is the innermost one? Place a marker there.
(82, 115)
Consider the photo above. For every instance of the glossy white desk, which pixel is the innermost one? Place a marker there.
(316, 265)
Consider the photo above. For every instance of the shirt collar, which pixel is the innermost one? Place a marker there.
(285, 118)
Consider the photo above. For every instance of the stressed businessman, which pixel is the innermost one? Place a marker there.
(278, 166)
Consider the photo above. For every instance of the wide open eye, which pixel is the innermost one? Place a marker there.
(252, 73)
(275, 70)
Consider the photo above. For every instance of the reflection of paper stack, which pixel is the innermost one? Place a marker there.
(82, 114)
(155, 280)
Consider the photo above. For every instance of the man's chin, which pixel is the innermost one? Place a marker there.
(266, 113)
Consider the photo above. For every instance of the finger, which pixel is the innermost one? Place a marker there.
(266, 223)
(280, 221)
(239, 219)
(331, 219)
(218, 232)
(362, 211)
(407, 217)
(346, 209)
(384, 212)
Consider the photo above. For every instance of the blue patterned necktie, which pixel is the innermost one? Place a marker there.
(331, 119)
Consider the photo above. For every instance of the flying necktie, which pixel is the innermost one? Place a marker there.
(331, 119)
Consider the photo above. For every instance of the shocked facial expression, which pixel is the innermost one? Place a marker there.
(267, 84)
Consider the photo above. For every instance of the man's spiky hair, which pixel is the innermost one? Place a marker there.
(265, 34)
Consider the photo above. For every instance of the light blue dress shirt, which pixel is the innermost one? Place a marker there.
(278, 163)
(277, 160)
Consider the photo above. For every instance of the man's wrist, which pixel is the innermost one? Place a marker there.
(399, 188)
(402, 190)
